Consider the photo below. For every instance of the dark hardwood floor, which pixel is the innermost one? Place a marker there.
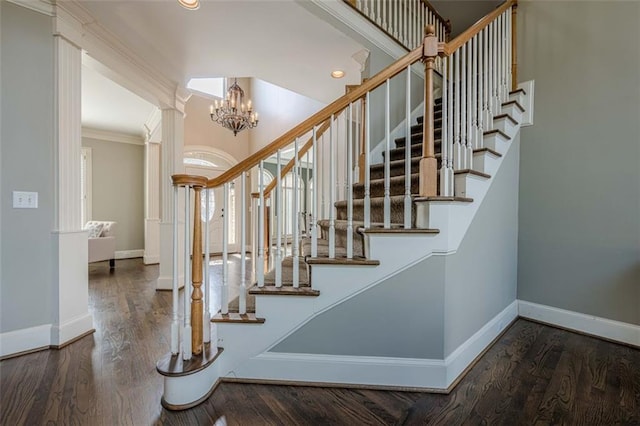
(534, 375)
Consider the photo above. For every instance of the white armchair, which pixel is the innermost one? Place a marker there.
(102, 241)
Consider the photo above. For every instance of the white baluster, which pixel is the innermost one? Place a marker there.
(279, 214)
(349, 195)
(186, 334)
(480, 76)
(395, 18)
(295, 216)
(332, 192)
(225, 249)
(243, 242)
(469, 113)
(365, 8)
(377, 16)
(462, 80)
(407, 154)
(206, 329)
(260, 260)
(450, 123)
(509, 53)
(405, 23)
(494, 70)
(175, 323)
(314, 199)
(367, 171)
(487, 70)
(387, 162)
(457, 148)
(474, 91)
(445, 190)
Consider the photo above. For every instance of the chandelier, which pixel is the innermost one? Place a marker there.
(232, 113)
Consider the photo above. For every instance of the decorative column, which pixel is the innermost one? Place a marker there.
(172, 163)
(152, 190)
(428, 163)
(70, 314)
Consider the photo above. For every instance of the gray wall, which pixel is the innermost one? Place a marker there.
(464, 13)
(431, 308)
(118, 189)
(372, 323)
(580, 166)
(26, 58)
(482, 275)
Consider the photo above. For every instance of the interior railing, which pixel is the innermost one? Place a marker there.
(403, 20)
(478, 72)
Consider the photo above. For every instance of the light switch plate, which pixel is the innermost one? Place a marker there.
(25, 200)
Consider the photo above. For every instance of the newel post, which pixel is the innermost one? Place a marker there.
(197, 307)
(428, 163)
(514, 50)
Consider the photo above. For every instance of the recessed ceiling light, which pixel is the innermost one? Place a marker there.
(337, 74)
(190, 4)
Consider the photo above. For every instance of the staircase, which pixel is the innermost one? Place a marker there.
(387, 228)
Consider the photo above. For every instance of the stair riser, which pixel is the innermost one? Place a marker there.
(377, 188)
(377, 172)
(377, 213)
(341, 238)
(416, 151)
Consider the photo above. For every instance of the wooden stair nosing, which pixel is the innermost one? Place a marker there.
(507, 117)
(237, 318)
(489, 150)
(174, 366)
(272, 290)
(497, 131)
(514, 102)
(440, 199)
(471, 172)
(513, 92)
(355, 261)
(401, 230)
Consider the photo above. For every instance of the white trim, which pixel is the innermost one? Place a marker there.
(361, 370)
(129, 254)
(151, 259)
(26, 339)
(71, 329)
(589, 324)
(377, 371)
(87, 177)
(210, 150)
(107, 135)
(41, 6)
(466, 353)
(527, 117)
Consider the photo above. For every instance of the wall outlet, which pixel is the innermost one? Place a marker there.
(25, 200)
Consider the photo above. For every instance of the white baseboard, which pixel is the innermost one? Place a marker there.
(467, 352)
(410, 373)
(343, 369)
(601, 327)
(166, 283)
(26, 339)
(150, 259)
(129, 254)
(71, 329)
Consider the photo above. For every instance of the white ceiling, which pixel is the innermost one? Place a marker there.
(110, 107)
(278, 41)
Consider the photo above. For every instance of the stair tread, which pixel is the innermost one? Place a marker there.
(272, 290)
(496, 153)
(471, 172)
(444, 199)
(234, 317)
(342, 260)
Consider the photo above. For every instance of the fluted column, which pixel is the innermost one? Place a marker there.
(152, 194)
(70, 315)
(172, 163)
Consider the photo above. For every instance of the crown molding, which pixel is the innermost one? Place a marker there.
(153, 127)
(107, 135)
(111, 57)
(46, 7)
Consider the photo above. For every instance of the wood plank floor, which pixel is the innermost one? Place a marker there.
(534, 375)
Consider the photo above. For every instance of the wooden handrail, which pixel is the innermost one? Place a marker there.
(447, 49)
(319, 117)
(302, 151)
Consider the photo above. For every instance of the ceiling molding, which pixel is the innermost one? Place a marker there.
(116, 61)
(45, 7)
(153, 127)
(67, 26)
(106, 135)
